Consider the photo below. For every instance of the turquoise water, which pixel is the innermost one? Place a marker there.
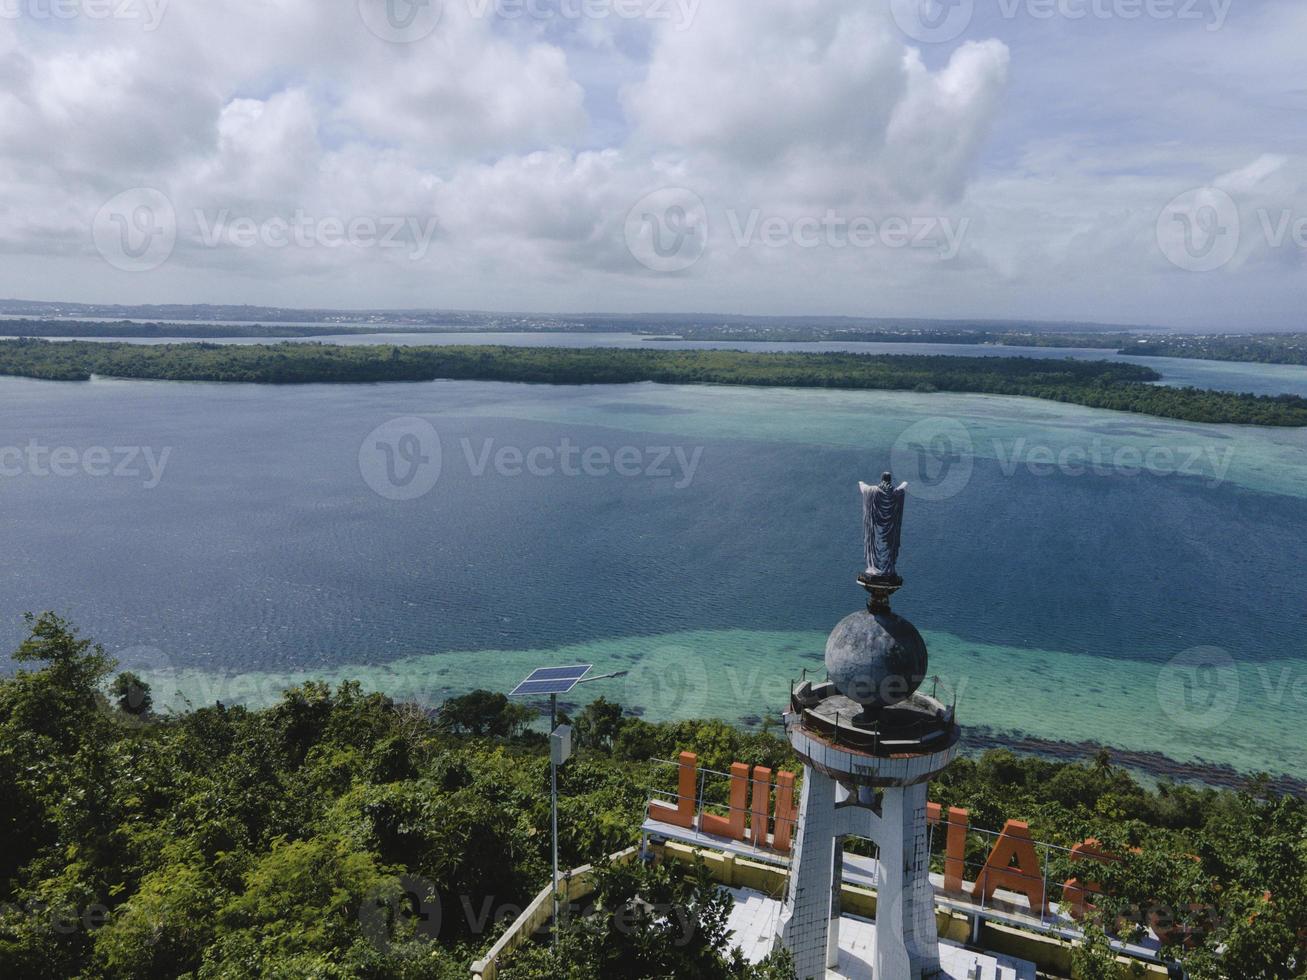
(1145, 592)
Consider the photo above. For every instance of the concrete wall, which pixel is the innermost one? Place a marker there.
(575, 885)
(1050, 955)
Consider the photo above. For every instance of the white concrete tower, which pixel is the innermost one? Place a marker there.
(869, 745)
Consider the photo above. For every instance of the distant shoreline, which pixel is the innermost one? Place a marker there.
(1156, 764)
(1288, 348)
(1113, 385)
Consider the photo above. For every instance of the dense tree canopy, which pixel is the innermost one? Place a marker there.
(340, 835)
(1097, 384)
(1266, 348)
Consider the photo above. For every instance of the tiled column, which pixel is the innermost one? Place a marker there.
(804, 924)
(907, 940)
(836, 884)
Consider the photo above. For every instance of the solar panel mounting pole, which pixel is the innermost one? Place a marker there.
(553, 799)
(555, 681)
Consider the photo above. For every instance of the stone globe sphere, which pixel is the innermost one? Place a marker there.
(876, 659)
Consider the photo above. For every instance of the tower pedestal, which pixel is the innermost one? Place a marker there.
(867, 782)
(809, 922)
(907, 938)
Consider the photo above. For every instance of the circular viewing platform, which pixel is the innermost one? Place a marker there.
(920, 729)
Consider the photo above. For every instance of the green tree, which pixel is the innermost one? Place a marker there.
(132, 694)
(58, 700)
(646, 921)
(303, 906)
(599, 724)
(484, 713)
(1093, 959)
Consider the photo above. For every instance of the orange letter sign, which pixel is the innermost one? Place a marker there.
(761, 806)
(955, 853)
(787, 813)
(732, 825)
(681, 815)
(1025, 879)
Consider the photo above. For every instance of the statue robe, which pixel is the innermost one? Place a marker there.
(882, 516)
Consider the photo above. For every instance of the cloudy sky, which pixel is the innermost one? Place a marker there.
(1137, 161)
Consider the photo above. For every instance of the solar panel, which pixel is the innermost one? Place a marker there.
(551, 680)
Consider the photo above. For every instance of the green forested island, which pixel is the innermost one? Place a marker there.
(223, 843)
(1264, 348)
(1100, 384)
(1268, 348)
(778, 334)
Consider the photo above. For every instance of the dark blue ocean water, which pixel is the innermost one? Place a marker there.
(263, 547)
(1063, 601)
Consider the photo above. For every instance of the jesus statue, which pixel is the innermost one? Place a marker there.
(882, 519)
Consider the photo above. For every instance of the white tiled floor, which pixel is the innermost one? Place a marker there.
(753, 922)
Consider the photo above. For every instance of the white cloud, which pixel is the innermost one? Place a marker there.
(758, 81)
(937, 129)
(462, 93)
(529, 143)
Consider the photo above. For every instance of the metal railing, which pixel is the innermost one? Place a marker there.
(1047, 917)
